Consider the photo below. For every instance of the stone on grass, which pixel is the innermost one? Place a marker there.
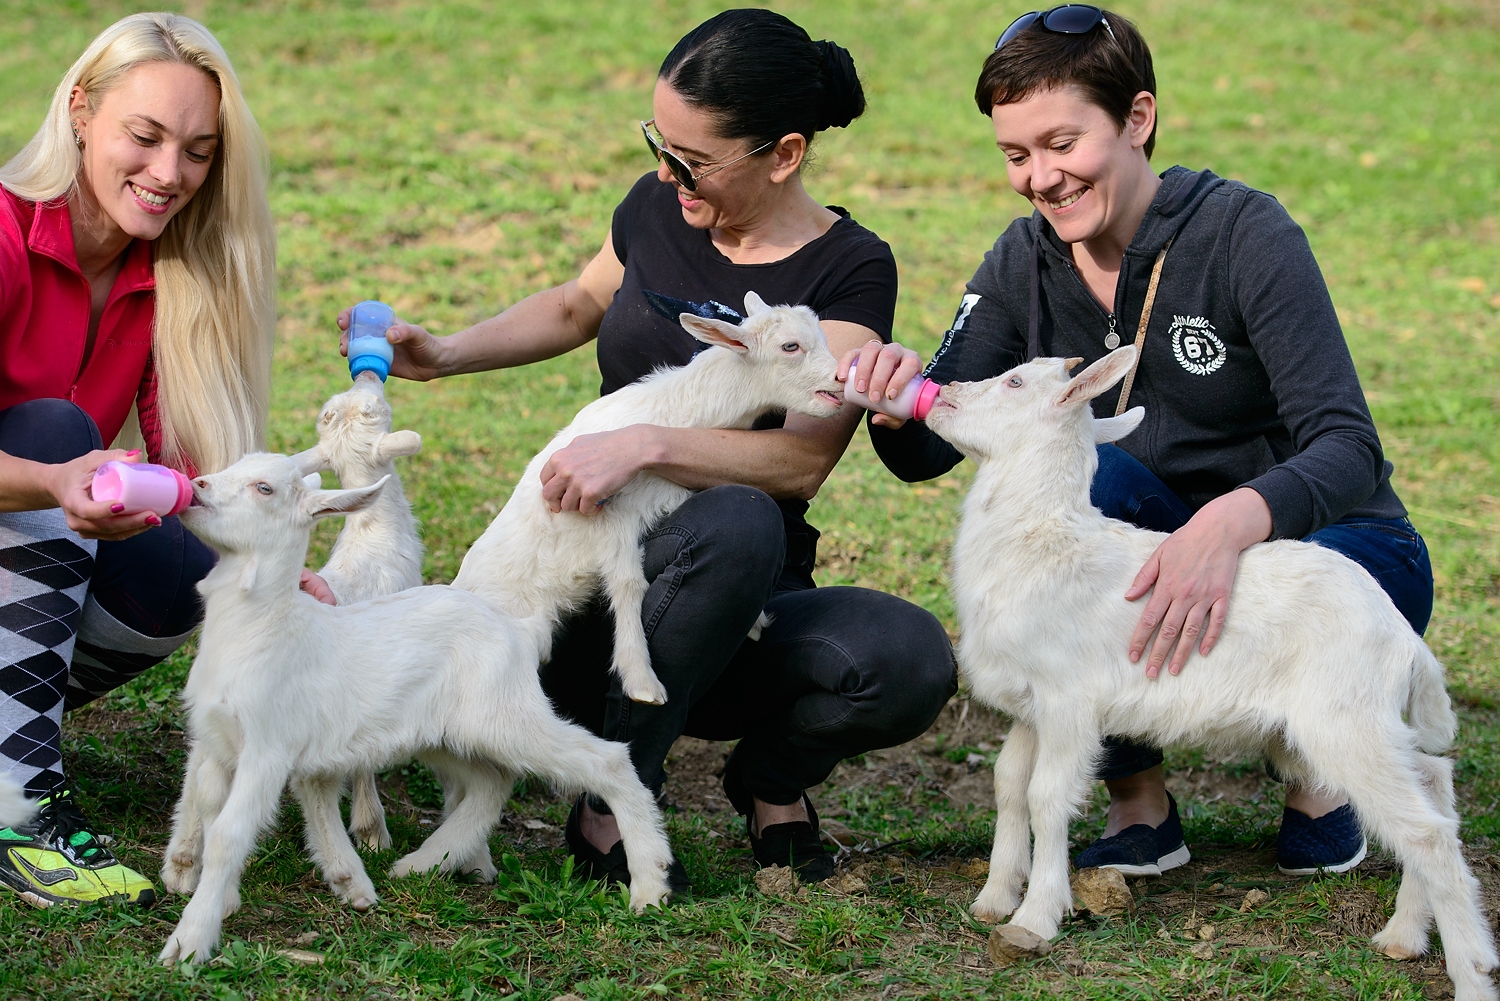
(1102, 892)
(1252, 900)
(1202, 950)
(1010, 944)
(976, 869)
(300, 956)
(777, 881)
(845, 883)
(1206, 933)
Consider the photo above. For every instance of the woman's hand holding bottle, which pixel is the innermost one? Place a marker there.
(415, 354)
(883, 372)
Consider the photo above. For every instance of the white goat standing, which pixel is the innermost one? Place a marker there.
(377, 552)
(532, 562)
(379, 549)
(285, 688)
(1314, 669)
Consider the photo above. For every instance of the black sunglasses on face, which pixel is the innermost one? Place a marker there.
(1069, 19)
(679, 167)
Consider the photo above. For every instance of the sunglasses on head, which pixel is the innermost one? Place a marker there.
(1069, 19)
(678, 166)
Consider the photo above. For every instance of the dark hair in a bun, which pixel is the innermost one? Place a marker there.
(762, 77)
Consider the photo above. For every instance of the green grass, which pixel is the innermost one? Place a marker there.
(453, 157)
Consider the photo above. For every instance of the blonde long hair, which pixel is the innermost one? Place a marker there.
(215, 263)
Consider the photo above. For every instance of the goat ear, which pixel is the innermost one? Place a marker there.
(397, 443)
(310, 461)
(754, 304)
(322, 503)
(313, 481)
(1108, 429)
(1098, 377)
(715, 332)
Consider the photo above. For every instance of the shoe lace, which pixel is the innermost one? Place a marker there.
(66, 827)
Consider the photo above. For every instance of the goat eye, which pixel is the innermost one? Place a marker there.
(791, 348)
(265, 488)
(1014, 382)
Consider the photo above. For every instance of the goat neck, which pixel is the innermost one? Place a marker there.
(1037, 482)
(718, 388)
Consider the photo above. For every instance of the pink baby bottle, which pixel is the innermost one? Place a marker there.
(915, 401)
(141, 486)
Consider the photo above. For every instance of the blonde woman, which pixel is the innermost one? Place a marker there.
(137, 265)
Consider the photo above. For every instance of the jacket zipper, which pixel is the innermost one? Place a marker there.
(1112, 338)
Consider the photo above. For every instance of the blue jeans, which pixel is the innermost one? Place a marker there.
(1389, 548)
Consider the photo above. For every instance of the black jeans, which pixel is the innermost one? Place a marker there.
(840, 670)
(1389, 548)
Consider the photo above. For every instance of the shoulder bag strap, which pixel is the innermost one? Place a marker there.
(1140, 333)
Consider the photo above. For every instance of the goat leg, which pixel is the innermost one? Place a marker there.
(1010, 859)
(251, 805)
(330, 844)
(366, 815)
(625, 584)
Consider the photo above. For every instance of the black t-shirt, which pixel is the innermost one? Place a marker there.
(847, 274)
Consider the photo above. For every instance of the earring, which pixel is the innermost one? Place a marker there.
(77, 139)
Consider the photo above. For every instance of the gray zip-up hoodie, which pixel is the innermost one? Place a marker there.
(1245, 375)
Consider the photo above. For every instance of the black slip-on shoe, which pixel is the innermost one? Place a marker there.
(796, 844)
(612, 867)
(1330, 843)
(1140, 850)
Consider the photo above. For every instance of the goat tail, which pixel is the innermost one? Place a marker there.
(15, 808)
(1428, 708)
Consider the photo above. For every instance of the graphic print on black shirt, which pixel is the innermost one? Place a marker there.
(846, 274)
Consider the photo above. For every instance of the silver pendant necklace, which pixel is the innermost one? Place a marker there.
(1112, 339)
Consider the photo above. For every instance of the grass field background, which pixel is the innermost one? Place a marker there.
(453, 157)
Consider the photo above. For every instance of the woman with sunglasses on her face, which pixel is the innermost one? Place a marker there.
(840, 670)
(137, 268)
(1256, 427)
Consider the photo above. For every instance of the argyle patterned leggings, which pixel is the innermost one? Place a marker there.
(78, 618)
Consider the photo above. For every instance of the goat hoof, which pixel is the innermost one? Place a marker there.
(187, 947)
(375, 839)
(180, 877)
(651, 695)
(992, 906)
(1399, 951)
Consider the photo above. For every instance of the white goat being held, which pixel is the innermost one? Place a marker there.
(532, 562)
(286, 689)
(1315, 667)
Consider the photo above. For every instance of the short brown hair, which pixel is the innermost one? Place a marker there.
(1109, 70)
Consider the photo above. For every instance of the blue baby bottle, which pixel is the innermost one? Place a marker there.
(368, 349)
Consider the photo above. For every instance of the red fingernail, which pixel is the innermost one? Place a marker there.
(153, 520)
(116, 508)
(132, 453)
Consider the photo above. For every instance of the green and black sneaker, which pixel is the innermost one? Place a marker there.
(55, 859)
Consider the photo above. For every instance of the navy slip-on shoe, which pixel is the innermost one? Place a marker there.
(1140, 850)
(1330, 843)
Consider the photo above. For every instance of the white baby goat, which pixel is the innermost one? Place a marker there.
(532, 562)
(1314, 669)
(377, 552)
(285, 688)
(379, 549)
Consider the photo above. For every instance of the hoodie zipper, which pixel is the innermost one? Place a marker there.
(1112, 338)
